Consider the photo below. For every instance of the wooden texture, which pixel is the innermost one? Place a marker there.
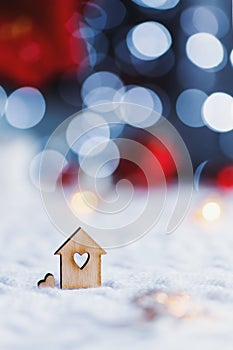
(71, 275)
(48, 281)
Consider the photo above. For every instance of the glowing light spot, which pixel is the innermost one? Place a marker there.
(133, 115)
(116, 12)
(101, 160)
(156, 303)
(100, 79)
(3, 101)
(217, 112)
(211, 211)
(101, 88)
(205, 50)
(231, 57)
(95, 16)
(115, 124)
(157, 4)
(97, 98)
(95, 144)
(86, 32)
(97, 48)
(178, 305)
(189, 106)
(205, 21)
(161, 297)
(53, 163)
(109, 15)
(26, 108)
(86, 126)
(149, 40)
(84, 202)
(200, 19)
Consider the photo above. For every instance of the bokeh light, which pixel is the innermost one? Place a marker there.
(3, 101)
(208, 19)
(83, 203)
(86, 126)
(93, 145)
(211, 211)
(53, 162)
(95, 55)
(100, 79)
(95, 16)
(134, 64)
(99, 88)
(231, 57)
(137, 95)
(199, 19)
(96, 98)
(157, 4)
(189, 107)
(205, 50)
(101, 160)
(218, 112)
(174, 58)
(116, 125)
(108, 16)
(26, 108)
(149, 40)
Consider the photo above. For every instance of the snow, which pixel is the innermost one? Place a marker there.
(197, 260)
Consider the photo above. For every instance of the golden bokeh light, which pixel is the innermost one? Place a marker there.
(211, 211)
(177, 305)
(84, 202)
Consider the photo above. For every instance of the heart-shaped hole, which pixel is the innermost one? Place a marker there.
(81, 259)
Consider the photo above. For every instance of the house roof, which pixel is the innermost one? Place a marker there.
(81, 238)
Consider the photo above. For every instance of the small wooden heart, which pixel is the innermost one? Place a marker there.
(48, 281)
(81, 260)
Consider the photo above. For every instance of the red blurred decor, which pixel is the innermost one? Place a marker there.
(69, 175)
(225, 177)
(35, 44)
(137, 176)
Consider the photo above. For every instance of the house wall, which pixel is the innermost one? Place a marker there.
(73, 277)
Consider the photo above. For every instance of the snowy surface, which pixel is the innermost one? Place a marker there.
(197, 260)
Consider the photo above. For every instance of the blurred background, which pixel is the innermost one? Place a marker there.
(173, 57)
